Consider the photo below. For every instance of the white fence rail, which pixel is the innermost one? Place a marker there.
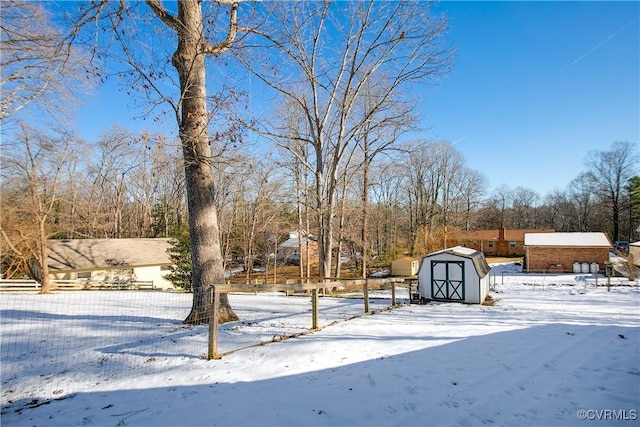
(73, 285)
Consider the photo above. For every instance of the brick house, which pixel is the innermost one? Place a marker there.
(559, 251)
(500, 242)
(289, 250)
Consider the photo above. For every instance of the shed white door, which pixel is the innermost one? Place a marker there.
(447, 280)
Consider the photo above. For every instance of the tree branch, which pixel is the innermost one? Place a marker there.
(226, 44)
(160, 11)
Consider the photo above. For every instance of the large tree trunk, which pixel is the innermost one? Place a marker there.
(206, 253)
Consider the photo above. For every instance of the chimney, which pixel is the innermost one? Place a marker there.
(501, 233)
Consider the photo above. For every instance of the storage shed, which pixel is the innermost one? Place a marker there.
(562, 251)
(456, 274)
(405, 266)
(634, 253)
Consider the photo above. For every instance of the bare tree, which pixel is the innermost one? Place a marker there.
(389, 213)
(524, 208)
(471, 188)
(559, 211)
(378, 135)
(421, 185)
(37, 63)
(116, 159)
(169, 211)
(325, 55)
(33, 165)
(451, 168)
(502, 197)
(259, 210)
(608, 172)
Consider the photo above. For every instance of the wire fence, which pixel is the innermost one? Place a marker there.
(276, 312)
(84, 338)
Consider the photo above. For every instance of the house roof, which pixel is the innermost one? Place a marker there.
(91, 254)
(292, 242)
(590, 240)
(495, 234)
(477, 257)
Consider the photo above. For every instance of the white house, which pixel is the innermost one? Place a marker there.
(110, 260)
(456, 274)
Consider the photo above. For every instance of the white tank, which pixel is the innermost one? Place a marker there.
(585, 267)
(595, 267)
(576, 267)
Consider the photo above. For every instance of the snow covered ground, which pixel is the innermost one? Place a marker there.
(553, 350)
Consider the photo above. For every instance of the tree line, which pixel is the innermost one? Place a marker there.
(130, 186)
(340, 79)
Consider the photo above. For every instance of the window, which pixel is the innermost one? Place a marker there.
(475, 243)
(83, 275)
(513, 244)
(491, 243)
(165, 268)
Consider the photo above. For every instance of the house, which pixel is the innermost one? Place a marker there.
(499, 242)
(110, 260)
(561, 251)
(456, 274)
(289, 251)
(405, 266)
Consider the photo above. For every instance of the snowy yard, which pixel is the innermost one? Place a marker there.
(551, 351)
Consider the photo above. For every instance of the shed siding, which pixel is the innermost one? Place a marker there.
(405, 267)
(634, 254)
(476, 289)
(562, 258)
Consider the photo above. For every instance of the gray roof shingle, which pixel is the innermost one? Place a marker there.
(91, 254)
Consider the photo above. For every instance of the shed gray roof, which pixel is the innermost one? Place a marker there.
(576, 240)
(92, 254)
(477, 257)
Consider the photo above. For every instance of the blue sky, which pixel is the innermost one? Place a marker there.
(535, 87)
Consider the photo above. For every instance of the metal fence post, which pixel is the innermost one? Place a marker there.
(213, 324)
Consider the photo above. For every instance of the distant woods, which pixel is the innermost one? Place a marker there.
(125, 186)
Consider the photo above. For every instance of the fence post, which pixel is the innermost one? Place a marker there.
(393, 293)
(365, 291)
(314, 307)
(213, 324)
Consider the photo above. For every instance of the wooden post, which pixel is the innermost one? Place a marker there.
(213, 324)
(365, 291)
(314, 308)
(393, 293)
